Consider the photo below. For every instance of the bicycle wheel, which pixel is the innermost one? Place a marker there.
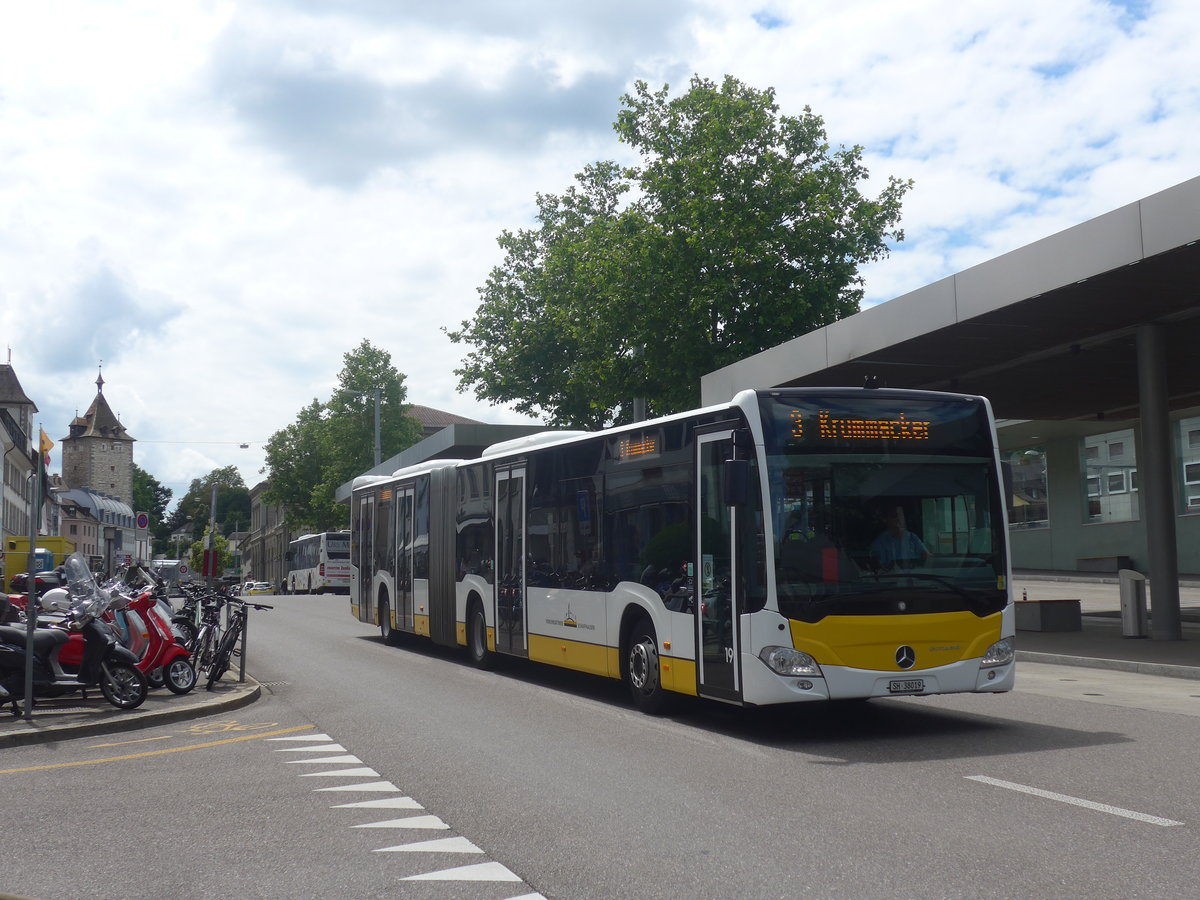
(222, 655)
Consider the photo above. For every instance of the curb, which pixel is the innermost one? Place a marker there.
(40, 732)
(1120, 665)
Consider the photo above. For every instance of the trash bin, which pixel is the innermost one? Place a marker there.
(1135, 621)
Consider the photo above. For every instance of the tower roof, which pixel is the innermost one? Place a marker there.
(99, 421)
(11, 393)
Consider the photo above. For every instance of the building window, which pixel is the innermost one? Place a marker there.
(1028, 504)
(1108, 464)
(1188, 435)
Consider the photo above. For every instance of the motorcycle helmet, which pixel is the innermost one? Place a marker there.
(56, 600)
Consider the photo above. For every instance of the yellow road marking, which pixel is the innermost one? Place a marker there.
(112, 759)
(165, 737)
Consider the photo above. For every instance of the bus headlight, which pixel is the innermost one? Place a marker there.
(1000, 653)
(786, 661)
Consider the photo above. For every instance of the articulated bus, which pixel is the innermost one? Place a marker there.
(319, 563)
(794, 545)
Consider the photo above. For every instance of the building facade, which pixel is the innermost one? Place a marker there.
(16, 442)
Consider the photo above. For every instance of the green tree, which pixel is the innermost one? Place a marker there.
(740, 229)
(220, 544)
(333, 441)
(152, 497)
(233, 502)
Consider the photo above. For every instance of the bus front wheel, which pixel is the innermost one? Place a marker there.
(641, 668)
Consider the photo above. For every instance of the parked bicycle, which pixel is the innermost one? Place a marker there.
(235, 628)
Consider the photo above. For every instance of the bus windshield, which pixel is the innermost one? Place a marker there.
(883, 507)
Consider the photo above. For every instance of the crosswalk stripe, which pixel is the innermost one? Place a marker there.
(489, 871)
(385, 803)
(440, 845)
(324, 759)
(533, 896)
(411, 822)
(320, 748)
(365, 786)
(343, 773)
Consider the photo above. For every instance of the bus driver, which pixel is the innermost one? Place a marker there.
(896, 545)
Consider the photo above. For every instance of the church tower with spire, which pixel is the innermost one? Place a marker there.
(98, 453)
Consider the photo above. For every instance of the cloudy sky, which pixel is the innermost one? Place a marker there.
(219, 199)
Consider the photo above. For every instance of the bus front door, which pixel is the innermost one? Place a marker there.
(717, 578)
(510, 561)
(364, 557)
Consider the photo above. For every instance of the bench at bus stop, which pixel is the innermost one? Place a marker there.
(1049, 615)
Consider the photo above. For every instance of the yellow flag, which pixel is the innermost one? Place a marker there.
(45, 446)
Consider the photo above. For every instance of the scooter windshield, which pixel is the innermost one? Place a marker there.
(87, 595)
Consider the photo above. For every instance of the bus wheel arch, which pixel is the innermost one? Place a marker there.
(640, 666)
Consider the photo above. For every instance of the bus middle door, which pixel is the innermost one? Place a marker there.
(404, 559)
(510, 561)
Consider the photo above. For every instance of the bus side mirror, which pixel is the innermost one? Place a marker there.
(736, 486)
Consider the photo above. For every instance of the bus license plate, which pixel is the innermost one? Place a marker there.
(907, 686)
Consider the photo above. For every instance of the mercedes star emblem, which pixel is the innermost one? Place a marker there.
(906, 657)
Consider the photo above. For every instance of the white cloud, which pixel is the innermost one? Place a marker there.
(220, 199)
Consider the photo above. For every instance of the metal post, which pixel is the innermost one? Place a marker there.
(1156, 491)
(242, 663)
(31, 598)
(378, 398)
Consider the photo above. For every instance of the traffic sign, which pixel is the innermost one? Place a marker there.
(143, 521)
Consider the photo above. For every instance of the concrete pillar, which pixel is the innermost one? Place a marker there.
(1156, 463)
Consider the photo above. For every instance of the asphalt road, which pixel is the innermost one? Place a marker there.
(538, 782)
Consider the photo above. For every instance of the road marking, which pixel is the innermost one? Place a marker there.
(368, 786)
(345, 773)
(385, 803)
(165, 737)
(1075, 801)
(431, 822)
(441, 845)
(480, 872)
(148, 753)
(320, 748)
(305, 737)
(489, 871)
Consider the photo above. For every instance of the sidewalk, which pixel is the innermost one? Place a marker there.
(72, 716)
(1098, 645)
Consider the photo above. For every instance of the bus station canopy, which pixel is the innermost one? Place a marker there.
(1046, 332)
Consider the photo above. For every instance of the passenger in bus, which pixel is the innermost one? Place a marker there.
(896, 546)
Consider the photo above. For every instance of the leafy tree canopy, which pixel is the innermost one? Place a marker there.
(232, 509)
(740, 229)
(220, 544)
(331, 442)
(151, 496)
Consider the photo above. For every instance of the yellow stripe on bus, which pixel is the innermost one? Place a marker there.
(870, 642)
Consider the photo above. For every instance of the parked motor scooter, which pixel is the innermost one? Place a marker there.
(104, 661)
(160, 651)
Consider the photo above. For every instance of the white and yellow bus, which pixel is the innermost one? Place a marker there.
(793, 545)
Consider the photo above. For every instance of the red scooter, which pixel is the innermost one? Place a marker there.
(141, 627)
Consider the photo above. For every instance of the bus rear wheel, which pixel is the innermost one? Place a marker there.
(477, 645)
(641, 668)
(390, 635)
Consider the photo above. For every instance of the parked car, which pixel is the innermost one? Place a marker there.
(261, 587)
(43, 581)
